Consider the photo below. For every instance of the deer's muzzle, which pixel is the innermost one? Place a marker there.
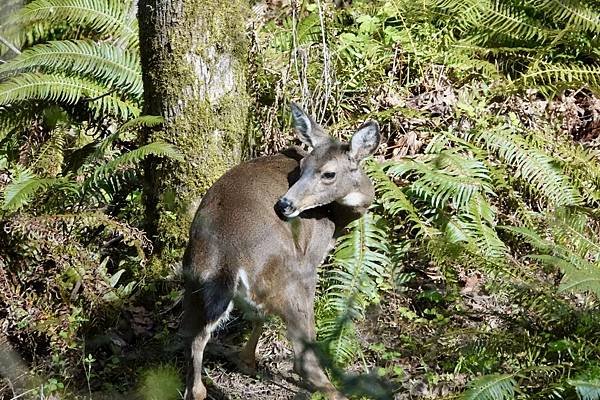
(286, 208)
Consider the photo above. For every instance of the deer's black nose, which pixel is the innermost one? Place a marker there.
(285, 206)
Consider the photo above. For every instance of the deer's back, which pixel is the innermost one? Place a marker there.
(237, 226)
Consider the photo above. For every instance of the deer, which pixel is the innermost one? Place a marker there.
(258, 236)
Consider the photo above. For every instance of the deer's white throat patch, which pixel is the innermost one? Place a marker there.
(353, 199)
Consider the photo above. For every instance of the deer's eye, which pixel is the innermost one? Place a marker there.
(328, 175)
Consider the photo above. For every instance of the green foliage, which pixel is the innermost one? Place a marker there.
(587, 389)
(21, 190)
(574, 244)
(64, 90)
(546, 44)
(160, 383)
(359, 268)
(95, 67)
(106, 17)
(23, 187)
(477, 263)
(491, 387)
(72, 225)
(111, 65)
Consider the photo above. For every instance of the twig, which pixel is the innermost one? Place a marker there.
(101, 96)
(23, 394)
(327, 71)
(8, 44)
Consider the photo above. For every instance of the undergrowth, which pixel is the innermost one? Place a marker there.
(476, 273)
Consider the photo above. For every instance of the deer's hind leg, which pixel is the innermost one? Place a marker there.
(248, 352)
(206, 304)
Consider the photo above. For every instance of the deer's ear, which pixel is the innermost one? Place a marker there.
(309, 132)
(365, 141)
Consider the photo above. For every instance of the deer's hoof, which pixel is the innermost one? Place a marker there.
(336, 396)
(197, 393)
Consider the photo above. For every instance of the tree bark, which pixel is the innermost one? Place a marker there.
(194, 61)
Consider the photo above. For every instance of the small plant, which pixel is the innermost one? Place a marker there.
(161, 383)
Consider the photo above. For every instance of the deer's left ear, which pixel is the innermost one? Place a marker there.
(309, 132)
(365, 141)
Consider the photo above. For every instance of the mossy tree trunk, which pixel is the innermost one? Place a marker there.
(194, 61)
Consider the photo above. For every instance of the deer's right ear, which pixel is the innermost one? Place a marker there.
(365, 141)
(309, 132)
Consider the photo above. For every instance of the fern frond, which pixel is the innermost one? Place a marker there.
(580, 279)
(504, 19)
(446, 178)
(103, 61)
(106, 176)
(13, 119)
(579, 274)
(81, 222)
(461, 59)
(464, 13)
(141, 121)
(64, 89)
(574, 75)
(104, 16)
(571, 229)
(578, 162)
(487, 19)
(359, 264)
(574, 14)
(535, 168)
(491, 387)
(149, 121)
(530, 236)
(395, 201)
(474, 226)
(587, 389)
(159, 149)
(24, 186)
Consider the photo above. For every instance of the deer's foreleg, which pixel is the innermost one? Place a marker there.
(301, 331)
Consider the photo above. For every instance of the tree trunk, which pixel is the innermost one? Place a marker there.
(194, 60)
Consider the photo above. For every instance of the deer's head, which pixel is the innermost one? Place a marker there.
(331, 172)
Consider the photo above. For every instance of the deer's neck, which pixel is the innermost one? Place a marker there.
(352, 206)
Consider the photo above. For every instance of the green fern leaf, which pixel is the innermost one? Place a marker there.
(586, 389)
(149, 121)
(575, 14)
(561, 76)
(22, 189)
(106, 176)
(504, 19)
(141, 121)
(534, 167)
(474, 227)
(64, 89)
(530, 236)
(104, 16)
(491, 387)
(580, 279)
(395, 201)
(446, 178)
(103, 61)
(134, 156)
(359, 265)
